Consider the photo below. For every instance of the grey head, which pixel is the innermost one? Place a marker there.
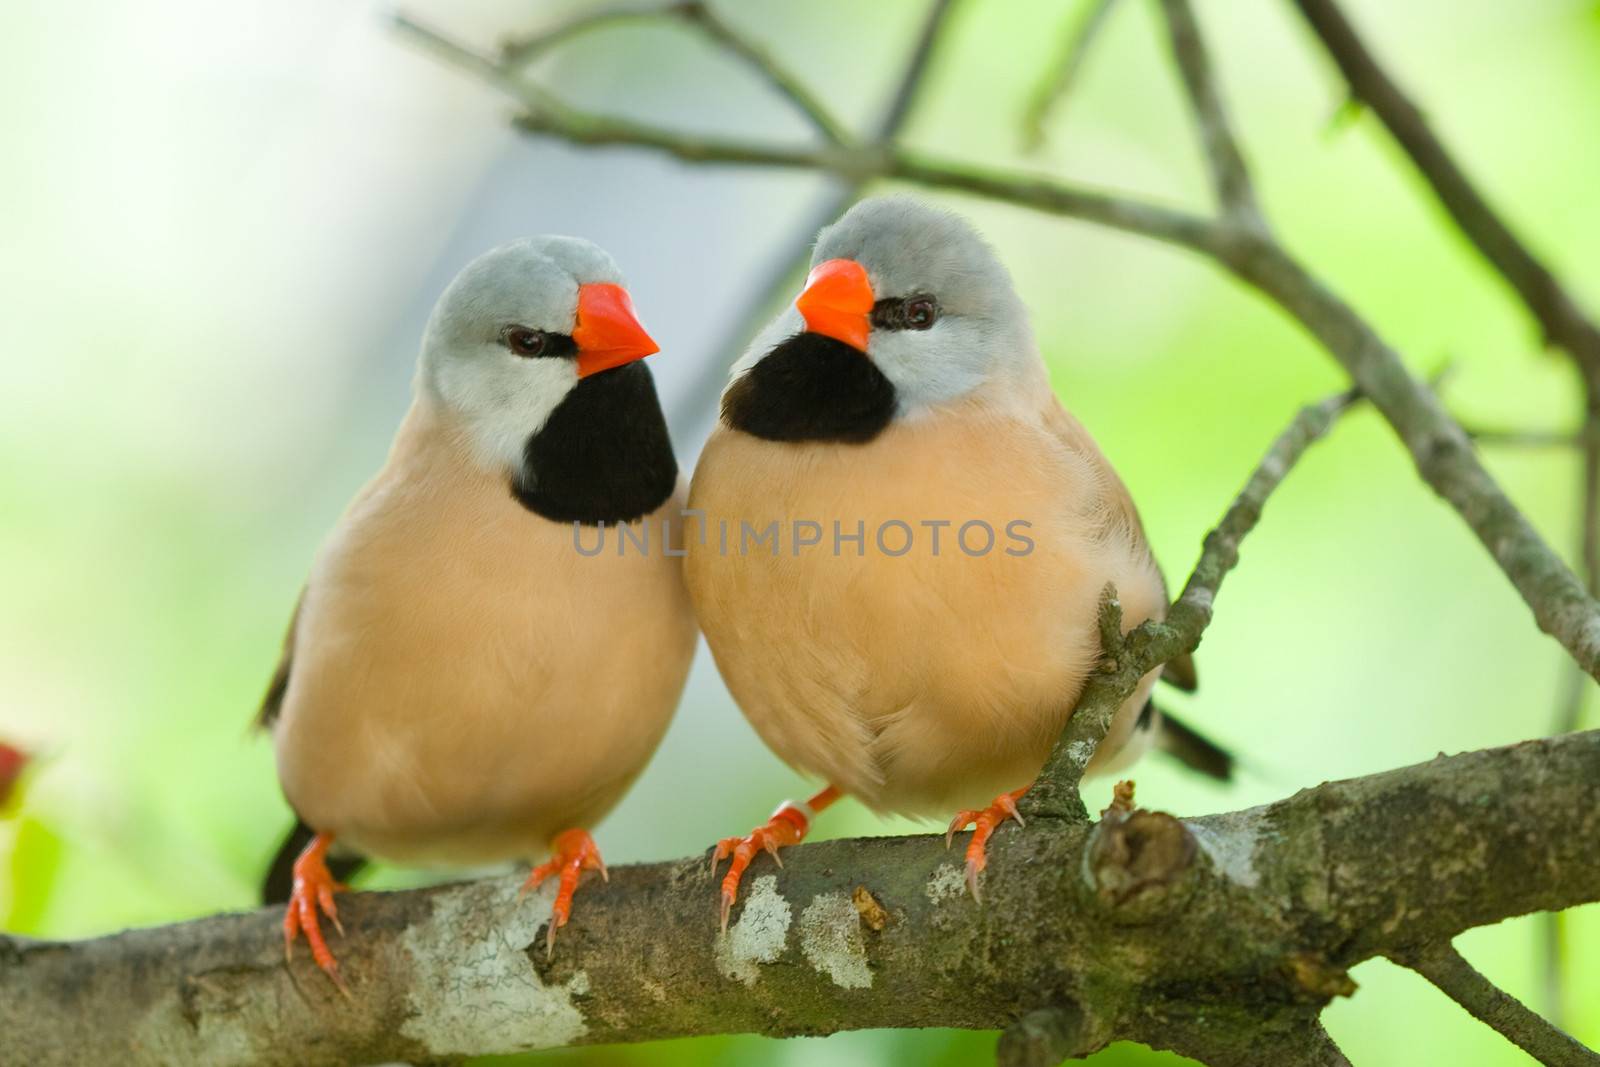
(532, 355)
(913, 288)
(505, 346)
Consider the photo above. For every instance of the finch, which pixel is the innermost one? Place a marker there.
(907, 538)
(461, 684)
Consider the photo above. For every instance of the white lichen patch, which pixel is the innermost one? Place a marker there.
(948, 881)
(1081, 752)
(760, 935)
(831, 938)
(473, 975)
(1230, 841)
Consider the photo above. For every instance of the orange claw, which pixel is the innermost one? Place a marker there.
(983, 824)
(573, 852)
(314, 888)
(787, 826)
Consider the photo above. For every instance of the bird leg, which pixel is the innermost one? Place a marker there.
(787, 826)
(983, 824)
(572, 853)
(314, 888)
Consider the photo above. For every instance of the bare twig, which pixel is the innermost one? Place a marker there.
(1442, 965)
(1557, 313)
(1151, 644)
(1057, 84)
(762, 62)
(518, 53)
(1498, 438)
(1230, 178)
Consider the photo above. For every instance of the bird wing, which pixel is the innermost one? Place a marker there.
(1121, 514)
(272, 703)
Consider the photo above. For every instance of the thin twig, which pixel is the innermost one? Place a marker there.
(1499, 438)
(1557, 313)
(517, 54)
(913, 78)
(1057, 84)
(1149, 645)
(1442, 965)
(1230, 177)
(763, 62)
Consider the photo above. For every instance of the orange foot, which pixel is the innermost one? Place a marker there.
(787, 826)
(574, 852)
(983, 823)
(314, 888)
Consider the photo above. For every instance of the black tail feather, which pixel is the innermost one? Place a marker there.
(275, 887)
(1192, 749)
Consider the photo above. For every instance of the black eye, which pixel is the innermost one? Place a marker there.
(920, 312)
(525, 342)
(905, 313)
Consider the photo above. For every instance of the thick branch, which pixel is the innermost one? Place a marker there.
(1293, 1040)
(1244, 921)
(1442, 965)
(1557, 313)
(1148, 646)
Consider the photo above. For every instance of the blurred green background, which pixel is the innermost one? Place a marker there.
(226, 223)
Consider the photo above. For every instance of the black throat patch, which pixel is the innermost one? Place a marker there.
(603, 455)
(811, 388)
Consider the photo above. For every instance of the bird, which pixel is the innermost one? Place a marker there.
(912, 538)
(467, 679)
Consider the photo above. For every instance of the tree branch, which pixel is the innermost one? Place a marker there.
(762, 62)
(1557, 313)
(1166, 932)
(1498, 438)
(1561, 605)
(1442, 965)
(517, 54)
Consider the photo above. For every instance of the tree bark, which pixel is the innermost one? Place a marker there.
(1139, 925)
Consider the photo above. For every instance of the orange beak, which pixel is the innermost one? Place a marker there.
(837, 302)
(608, 333)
